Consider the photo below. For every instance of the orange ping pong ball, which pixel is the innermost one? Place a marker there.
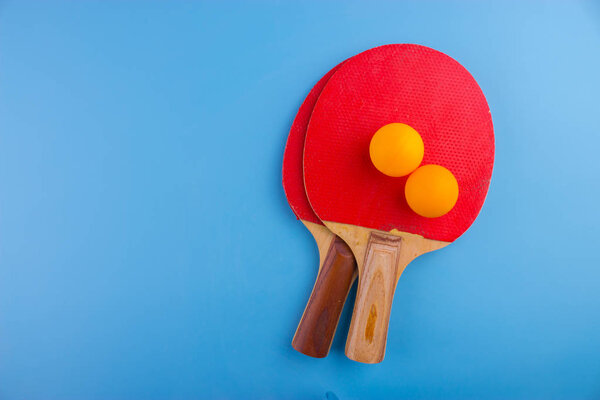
(396, 149)
(431, 191)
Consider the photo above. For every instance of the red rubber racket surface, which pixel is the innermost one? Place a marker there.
(414, 85)
(293, 174)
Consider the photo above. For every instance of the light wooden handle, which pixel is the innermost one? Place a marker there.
(368, 330)
(318, 324)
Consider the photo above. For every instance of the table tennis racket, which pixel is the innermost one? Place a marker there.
(436, 96)
(337, 267)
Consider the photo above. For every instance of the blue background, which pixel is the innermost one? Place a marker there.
(146, 247)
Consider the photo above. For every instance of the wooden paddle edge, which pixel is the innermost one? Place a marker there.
(357, 238)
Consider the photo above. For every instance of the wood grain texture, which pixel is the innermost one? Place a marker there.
(381, 258)
(337, 272)
(368, 330)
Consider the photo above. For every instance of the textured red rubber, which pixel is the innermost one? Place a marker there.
(293, 175)
(406, 83)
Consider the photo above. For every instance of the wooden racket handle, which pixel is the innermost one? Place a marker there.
(318, 324)
(376, 285)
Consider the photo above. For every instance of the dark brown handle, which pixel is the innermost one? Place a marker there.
(318, 324)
